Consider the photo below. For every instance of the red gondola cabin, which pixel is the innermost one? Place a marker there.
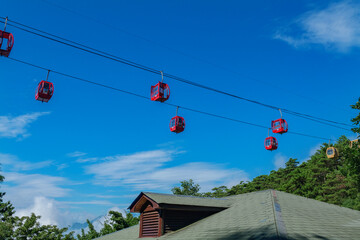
(160, 92)
(44, 91)
(6, 43)
(177, 124)
(271, 143)
(279, 126)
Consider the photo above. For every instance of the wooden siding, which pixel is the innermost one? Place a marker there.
(150, 224)
(176, 219)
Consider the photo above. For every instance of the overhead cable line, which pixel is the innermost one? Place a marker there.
(122, 30)
(109, 56)
(144, 97)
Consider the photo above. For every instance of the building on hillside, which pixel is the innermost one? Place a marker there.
(268, 214)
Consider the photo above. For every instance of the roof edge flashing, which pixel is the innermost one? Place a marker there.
(279, 223)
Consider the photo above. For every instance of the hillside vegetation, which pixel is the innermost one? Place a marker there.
(335, 180)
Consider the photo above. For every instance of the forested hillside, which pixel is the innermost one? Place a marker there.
(332, 180)
(335, 180)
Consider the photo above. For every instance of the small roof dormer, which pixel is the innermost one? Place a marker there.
(164, 213)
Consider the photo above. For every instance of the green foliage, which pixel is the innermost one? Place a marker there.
(356, 120)
(335, 181)
(28, 227)
(119, 222)
(115, 223)
(91, 234)
(187, 188)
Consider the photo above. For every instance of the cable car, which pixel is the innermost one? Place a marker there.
(177, 123)
(271, 143)
(44, 91)
(6, 39)
(332, 152)
(279, 126)
(161, 91)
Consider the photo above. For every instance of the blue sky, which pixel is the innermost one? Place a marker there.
(91, 149)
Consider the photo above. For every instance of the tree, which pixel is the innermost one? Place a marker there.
(356, 120)
(115, 223)
(6, 216)
(187, 188)
(27, 227)
(335, 180)
(91, 234)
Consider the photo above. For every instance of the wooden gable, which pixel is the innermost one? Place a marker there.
(157, 219)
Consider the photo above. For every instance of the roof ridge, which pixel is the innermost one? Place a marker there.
(279, 223)
(113, 233)
(189, 196)
(318, 201)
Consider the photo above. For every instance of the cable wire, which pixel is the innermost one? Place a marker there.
(155, 71)
(236, 73)
(147, 98)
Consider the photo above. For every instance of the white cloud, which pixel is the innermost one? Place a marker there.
(61, 166)
(99, 223)
(22, 188)
(314, 149)
(280, 160)
(14, 163)
(112, 196)
(36, 193)
(336, 27)
(84, 160)
(76, 154)
(51, 212)
(16, 127)
(148, 171)
(94, 202)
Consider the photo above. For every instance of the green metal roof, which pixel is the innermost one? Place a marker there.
(161, 198)
(265, 215)
(125, 234)
(312, 219)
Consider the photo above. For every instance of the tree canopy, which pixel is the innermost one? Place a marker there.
(335, 181)
(29, 227)
(356, 120)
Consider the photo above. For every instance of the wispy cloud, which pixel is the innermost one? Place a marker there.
(36, 193)
(15, 164)
(280, 160)
(16, 127)
(85, 160)
(149, 171)
(112, 196)
(336, 27)
(94, 202)
(62, 166)
(21, 188)
(76, 154)
(312, 151)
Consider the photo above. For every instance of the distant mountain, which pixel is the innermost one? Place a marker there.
(98, 222)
